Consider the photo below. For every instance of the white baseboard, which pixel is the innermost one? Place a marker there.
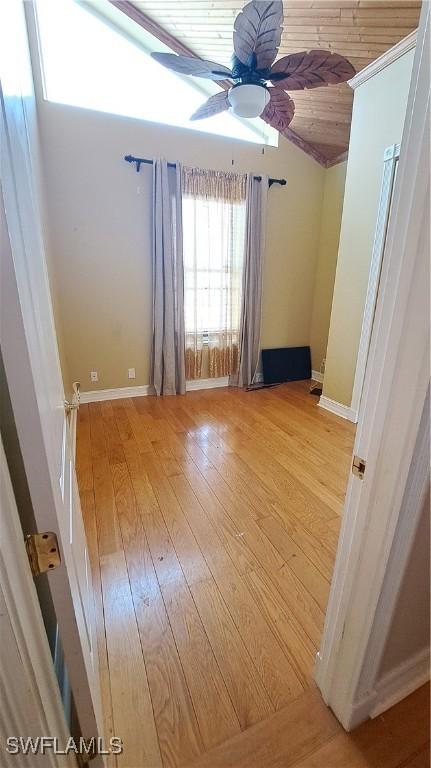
(98, 395)
(402, 681)
(317, 376)
(338, 408)
(390, 689)
(222, 381)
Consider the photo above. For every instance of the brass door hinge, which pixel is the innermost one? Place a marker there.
(43, 553)
(358, 466)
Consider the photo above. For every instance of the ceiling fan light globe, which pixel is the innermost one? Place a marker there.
(248, 100)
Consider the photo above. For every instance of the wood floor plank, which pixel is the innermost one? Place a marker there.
(282, 483)
(389, 741)
(318, 544)
(246, 690)
(214, 710)
(186, 547)
(90, 524)
(281, 740)
(142, 488)
(308, 464)
(212, 530)
(308, 438)
(267, 555)
(308, 508)
(97, 432)
(83, 462)
(230, 532)
(166, 458)
(276, 673)
(128, 677)
(114, 444)
(241, 513)
(300, 603)
(139, 430)
(297, 645)
(261, 502)
(297, 561)
(108, 531)
(420, 760)
(175, 719)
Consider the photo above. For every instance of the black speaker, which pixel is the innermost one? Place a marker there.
(286, 364)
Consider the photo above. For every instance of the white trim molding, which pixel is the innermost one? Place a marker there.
(399, 49)
(390, 160)
(345, 411)
(222, 381)
(98, 395)
(401, 681)
(317, 376)
(398, 683)
(374, 522)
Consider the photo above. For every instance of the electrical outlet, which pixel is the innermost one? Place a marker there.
(131, 373)
(94, 376)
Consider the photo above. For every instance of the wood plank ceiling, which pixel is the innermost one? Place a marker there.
(361, 30)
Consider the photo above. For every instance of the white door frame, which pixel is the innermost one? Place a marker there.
(390, 160)
(30, 355)
(395, 387)
(29, 690)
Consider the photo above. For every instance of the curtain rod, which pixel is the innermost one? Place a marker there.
(146, 161)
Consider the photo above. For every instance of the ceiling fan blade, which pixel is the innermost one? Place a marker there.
(257, 33)
(188, 65)
(279, 111)
(215, 104)
(310, 70)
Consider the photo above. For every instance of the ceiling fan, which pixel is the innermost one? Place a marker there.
(256, 38)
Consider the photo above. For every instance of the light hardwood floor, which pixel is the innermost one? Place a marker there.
(212, 522)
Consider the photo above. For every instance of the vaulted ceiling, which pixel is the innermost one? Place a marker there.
(360, 30)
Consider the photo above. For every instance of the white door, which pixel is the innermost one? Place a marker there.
(31, 703)
(31, 362)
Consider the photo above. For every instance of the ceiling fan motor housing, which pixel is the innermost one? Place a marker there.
(248, 73)
(249, 95)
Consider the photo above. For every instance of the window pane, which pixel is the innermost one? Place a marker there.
(88, 64)
(213, 260)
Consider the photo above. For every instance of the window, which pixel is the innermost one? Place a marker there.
(213, 244)
(89, 62)
(213, 260)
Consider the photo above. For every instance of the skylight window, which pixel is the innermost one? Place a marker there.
(87, 63)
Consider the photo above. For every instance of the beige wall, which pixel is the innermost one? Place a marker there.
(409, 631)
(410, 628)
(378, 118)
(332, 208)
(100, 232)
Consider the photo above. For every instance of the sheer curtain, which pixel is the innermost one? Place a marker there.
(214, 214)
